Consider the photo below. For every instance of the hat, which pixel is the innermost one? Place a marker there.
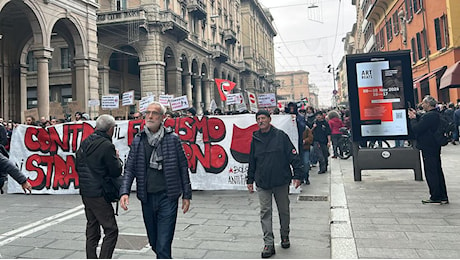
(262, 112)
(192, 111)
(85, 116)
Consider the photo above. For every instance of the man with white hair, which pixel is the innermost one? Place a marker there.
(96, 161)
(157, 161)
(424, 127)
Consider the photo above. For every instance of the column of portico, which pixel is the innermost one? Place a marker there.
(104, 73)
(43, 55)
(198, 94)
(174, 81)
(152, 77)
(207, 93)
(23, 91)
(188, 86)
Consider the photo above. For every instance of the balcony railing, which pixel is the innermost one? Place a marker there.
(219, 52)
(197, 8)
(230, 36)
(174, 24)
(121, 16)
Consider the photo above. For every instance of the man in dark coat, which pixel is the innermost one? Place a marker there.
(7, 167)
(424, 127)
(321, 141)
(96, 160)
(270, 159)
(157, 161)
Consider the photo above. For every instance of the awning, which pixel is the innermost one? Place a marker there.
(451, 78)
(430, 74)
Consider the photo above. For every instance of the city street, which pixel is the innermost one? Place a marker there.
(380, 217)
(220, 224)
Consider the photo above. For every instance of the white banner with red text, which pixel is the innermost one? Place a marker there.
(216, 147)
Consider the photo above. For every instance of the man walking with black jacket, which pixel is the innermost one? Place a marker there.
(97, 159)
(270, 159)
(424, 127)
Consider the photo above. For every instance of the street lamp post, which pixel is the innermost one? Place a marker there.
(332, 70)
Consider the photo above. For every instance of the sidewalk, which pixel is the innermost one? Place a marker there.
(383, 217)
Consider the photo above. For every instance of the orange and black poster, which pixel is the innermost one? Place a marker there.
(378, 114)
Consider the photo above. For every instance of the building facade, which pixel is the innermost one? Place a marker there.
(84, 49)
(430, 29)
(48, 52)
(294, 86)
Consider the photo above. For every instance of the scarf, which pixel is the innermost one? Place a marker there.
(154, 140)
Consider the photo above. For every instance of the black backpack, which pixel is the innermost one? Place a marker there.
(443, 133)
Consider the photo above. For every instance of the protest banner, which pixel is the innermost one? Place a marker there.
(216, 147)
(164, 99)
(179, 103)
(144, 103)
(110, 102)
(128, 98)
(267, 100)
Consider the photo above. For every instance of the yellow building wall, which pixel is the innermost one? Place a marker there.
(453, 14)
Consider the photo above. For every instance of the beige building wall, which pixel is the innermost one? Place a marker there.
(294, 86)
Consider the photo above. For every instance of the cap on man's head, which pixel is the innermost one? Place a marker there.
(192, 111)
(262, 112)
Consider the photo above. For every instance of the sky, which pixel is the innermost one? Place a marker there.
(310, 39)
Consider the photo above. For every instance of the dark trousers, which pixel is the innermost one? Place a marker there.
(322, 153)
(335, 143)
(100, 213)
(434, 176)
(160, 214)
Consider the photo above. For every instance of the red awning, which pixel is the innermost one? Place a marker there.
(451, 79)
(430, 74)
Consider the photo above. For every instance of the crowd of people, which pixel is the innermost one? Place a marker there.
(158, 163)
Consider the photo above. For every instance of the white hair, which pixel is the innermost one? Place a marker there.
(105, 122)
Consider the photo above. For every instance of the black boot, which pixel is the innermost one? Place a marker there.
(268, 251)
(285, 242)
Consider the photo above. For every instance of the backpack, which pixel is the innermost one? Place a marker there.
(443, 133)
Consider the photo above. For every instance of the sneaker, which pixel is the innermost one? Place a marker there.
(429, 201)
(334, 157)
(307, 182)
(285, 242)
(321, 172)
(443, 202)
(268, 251)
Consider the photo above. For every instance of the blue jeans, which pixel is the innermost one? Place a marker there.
(306, 162)
(160, 214)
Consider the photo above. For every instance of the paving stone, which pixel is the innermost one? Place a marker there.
(387, 253)
(45, 253)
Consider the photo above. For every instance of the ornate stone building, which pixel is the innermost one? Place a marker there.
(48, 52)
(78, 50)
(258, 68)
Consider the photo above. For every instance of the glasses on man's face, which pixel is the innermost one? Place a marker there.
(154, 113)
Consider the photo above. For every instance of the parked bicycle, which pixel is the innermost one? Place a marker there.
(345, 145)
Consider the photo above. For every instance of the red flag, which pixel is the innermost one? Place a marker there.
(224, 86)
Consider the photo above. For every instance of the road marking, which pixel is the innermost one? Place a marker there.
(24, 231)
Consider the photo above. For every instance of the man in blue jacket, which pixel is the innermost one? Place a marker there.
(270, 159)
(157, 161)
